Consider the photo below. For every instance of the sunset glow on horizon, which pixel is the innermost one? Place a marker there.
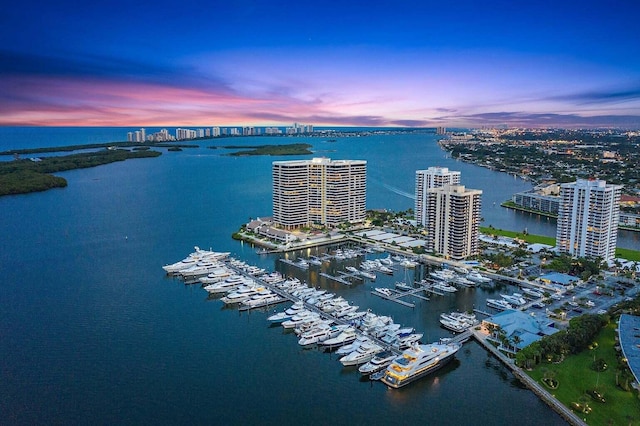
(415, 64)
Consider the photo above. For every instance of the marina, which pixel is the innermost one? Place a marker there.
(152, 350)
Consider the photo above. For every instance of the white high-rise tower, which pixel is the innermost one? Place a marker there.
(433, 177)
(588, 218)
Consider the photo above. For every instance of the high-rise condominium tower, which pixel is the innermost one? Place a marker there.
(433, 177)
(319, 191)
(588, 218)
(453, 218)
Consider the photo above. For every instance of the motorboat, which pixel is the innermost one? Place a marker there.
(241, 293)
(499, 304)
(379, 362)
(442, 286)
(515, 299)
(216, 275)
(280, 317)
(344, 310)
(385, 270)
(403, 286)
(347, 336)
(418, 361)
(407, 341)
(443, 275)
(351, 269)
(409, 263)
(299, 319)
(477, 277)
(363, 354)
(350, 347)
(532, 292)
(386, 292)
(228, 285)
(369, 275)
(263, 298)
(319, 334)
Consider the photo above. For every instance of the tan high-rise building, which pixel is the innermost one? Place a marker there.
(453, 219)
(433, 177)
(319, 191)
(588, 217)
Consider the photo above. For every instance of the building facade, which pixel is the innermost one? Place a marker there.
(433, 177)
(588, 218)
(319, 191)
(453, 219)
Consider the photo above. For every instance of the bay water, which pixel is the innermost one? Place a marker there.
(92, 331)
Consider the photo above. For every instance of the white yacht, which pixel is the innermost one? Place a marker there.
(230, 284)
(499, 304)
(379, 362)
(369, 275)
(386, 292)
(242, 293)
(418, 361)
(477, 277)
(265, 297)
(296, 320)
(216, 275)
(347, 336)
(350, 347)
(442, 286)
(532, 292)
(363, 354)
(319, 334)
(515, 299)
(385, 270)
(344, 310)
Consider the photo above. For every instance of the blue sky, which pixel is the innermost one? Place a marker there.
(378, 63)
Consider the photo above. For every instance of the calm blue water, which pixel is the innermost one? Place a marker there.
(93, 332)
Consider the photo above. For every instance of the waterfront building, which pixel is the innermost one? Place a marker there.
(215, 132)
(433, 177)
(129, 136)
(520, 328)
(319, 191)
(543, 198)
(453, 218)
(588, 219)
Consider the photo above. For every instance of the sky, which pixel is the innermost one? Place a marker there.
(406, 63)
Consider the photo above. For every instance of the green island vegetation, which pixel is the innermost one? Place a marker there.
(70, 148)
(25, 176)
(287, 149)
(581, 368)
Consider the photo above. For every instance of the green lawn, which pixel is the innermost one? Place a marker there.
(575, 376)
(531, 239)
(633, 255)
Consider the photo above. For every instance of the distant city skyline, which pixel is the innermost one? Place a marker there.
(411, 64)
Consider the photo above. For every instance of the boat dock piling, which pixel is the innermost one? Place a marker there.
(394, 298)
(334, 278)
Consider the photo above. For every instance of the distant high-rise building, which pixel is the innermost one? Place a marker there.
(453, 219)
(319, 191)
(588, 217)
(433, 177)
(215, 132)
(143, 135)
(130, 136)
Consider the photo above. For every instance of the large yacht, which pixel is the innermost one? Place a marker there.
(418, 361)
(363, 354)
(499, 304)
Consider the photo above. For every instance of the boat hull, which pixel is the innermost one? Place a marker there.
(395, 383)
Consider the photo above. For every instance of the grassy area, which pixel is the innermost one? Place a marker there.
(575, 376)
(531, 239)
(633, 255)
